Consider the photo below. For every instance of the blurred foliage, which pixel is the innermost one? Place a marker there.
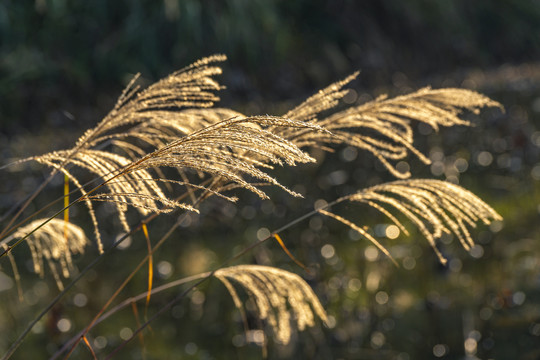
(51, 50)
(63, 63)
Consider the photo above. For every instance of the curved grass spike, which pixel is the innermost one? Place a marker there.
(433, 206)
(382, 126)
(192, 86)
(272, 289)
(55, 242)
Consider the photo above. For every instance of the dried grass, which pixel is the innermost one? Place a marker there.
(173, 124)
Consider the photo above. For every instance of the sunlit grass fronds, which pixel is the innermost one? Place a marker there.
(325, 99)
(15, 270)
(166, 126)
(190, 87)
(434, 206)
(230, 150)
(280, 297)
(48, 243)
(137, 190)
(383, 126)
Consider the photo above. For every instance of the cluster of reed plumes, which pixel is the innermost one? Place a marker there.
(167, 148)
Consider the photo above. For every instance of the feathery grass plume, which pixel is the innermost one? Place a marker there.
(271, 289)
(138, 188)
(434, 206)
(191, 87)
(49, 243)
(382, 126)
(166, 126)
(230, 150)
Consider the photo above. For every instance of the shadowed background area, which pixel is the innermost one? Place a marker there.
(64, 63)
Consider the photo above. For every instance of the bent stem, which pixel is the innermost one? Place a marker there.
(203, 277)
(127, 302)
(128, 278)
(57, 298)
(21, 337)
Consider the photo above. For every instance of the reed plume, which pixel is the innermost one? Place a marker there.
(281, 297)
(383, 126)
(54, 243)
(434, 206)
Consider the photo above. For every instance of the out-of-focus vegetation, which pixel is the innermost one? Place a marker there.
(63, 63)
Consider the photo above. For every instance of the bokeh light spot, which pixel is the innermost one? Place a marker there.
(440, 350)
(371, 253)
(126, 333)
(328, 251)
(392, 232)
(80, 300)
(64, 325)
(191, 348)
(484, 158)
(263, 233)
(409, 263)
(381, 297)
(100, 342)
(164, 269)
(126, 243)
(470, 346)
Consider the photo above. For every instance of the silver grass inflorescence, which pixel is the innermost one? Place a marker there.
(54, 242)
(192, 86)
(434, 206)
(382, 126)
(281, 297)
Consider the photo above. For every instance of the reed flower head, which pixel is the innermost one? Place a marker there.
(53, 243)
(434, 206)
(281, 297)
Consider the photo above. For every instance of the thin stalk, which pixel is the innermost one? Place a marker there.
(126, 303)
(208, 275)
(21, 337)
(8, 230)
(141, 263)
